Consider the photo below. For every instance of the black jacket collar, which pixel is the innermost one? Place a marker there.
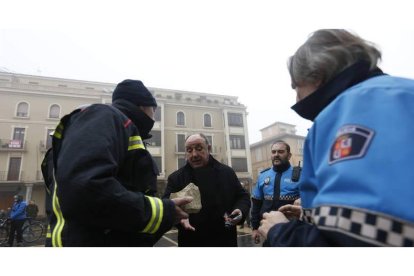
(138, 117)
(313, 104)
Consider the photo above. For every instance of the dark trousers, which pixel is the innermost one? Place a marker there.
(16, 226)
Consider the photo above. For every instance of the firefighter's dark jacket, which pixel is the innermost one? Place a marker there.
(102, 170)
(229, 195)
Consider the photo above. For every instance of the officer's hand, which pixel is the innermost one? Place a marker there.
(256, 236)
(185, 223)
(291, 211)
(179, 213)
(269, 220)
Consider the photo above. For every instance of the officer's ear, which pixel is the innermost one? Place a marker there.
(289, 155)
(209, 148)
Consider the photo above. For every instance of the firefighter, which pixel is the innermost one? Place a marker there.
(102, 170)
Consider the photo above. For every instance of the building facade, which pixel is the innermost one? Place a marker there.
(260, 151)
(31, 107)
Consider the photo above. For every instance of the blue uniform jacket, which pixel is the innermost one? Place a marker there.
(357, 179)
(262, 195)
(18, 211)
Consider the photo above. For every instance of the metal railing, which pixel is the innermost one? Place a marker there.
(10, 144)
(11, 176)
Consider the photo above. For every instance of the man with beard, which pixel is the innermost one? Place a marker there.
(274, 187)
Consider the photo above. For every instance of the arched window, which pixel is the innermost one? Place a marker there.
(207, 120)
(180, 119)
(22, 110)
(54, 112)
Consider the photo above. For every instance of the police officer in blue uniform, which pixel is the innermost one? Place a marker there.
(274, 187)
(357, 180)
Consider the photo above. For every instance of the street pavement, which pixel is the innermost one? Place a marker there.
(243, 238)
(170, 239)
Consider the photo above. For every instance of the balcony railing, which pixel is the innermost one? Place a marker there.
(11, 176)
(11, 145)
(7, 176)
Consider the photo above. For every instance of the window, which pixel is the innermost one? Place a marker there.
(18, 134)
(158, 161)
(180, 143)
(180, 162)
(157, 114)
(54, 112)
(235, 119)
(14, 169)
(239, 164)
(180, 119)
(237, 142)
(22, 110)
(155, 140)
(207, 120)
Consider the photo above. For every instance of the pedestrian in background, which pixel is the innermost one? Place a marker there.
(17, 218)
(32, 210)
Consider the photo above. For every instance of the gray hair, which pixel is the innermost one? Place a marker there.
(201, 135)
(326, 53)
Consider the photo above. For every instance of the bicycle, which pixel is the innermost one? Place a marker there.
(4, 231)
(32, 230)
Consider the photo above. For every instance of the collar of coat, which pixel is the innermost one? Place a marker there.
(313, 104)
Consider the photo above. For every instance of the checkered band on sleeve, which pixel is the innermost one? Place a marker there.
(307, 215)
(282, 197)
(289, 197)
(365, 225)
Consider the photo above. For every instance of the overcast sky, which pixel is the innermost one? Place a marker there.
(237, 48)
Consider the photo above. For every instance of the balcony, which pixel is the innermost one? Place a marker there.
(7, 176)
(12, 145)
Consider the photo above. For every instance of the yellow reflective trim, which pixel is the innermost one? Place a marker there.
(48, 233)
(135, 138)
(135, 142)
(57, 231)
(153, 213)
(156, 216)
(58, 131)
(160, 216)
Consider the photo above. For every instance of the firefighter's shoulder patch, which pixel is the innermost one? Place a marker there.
(351, 142)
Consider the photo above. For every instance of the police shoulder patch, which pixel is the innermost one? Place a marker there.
(351, 142)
